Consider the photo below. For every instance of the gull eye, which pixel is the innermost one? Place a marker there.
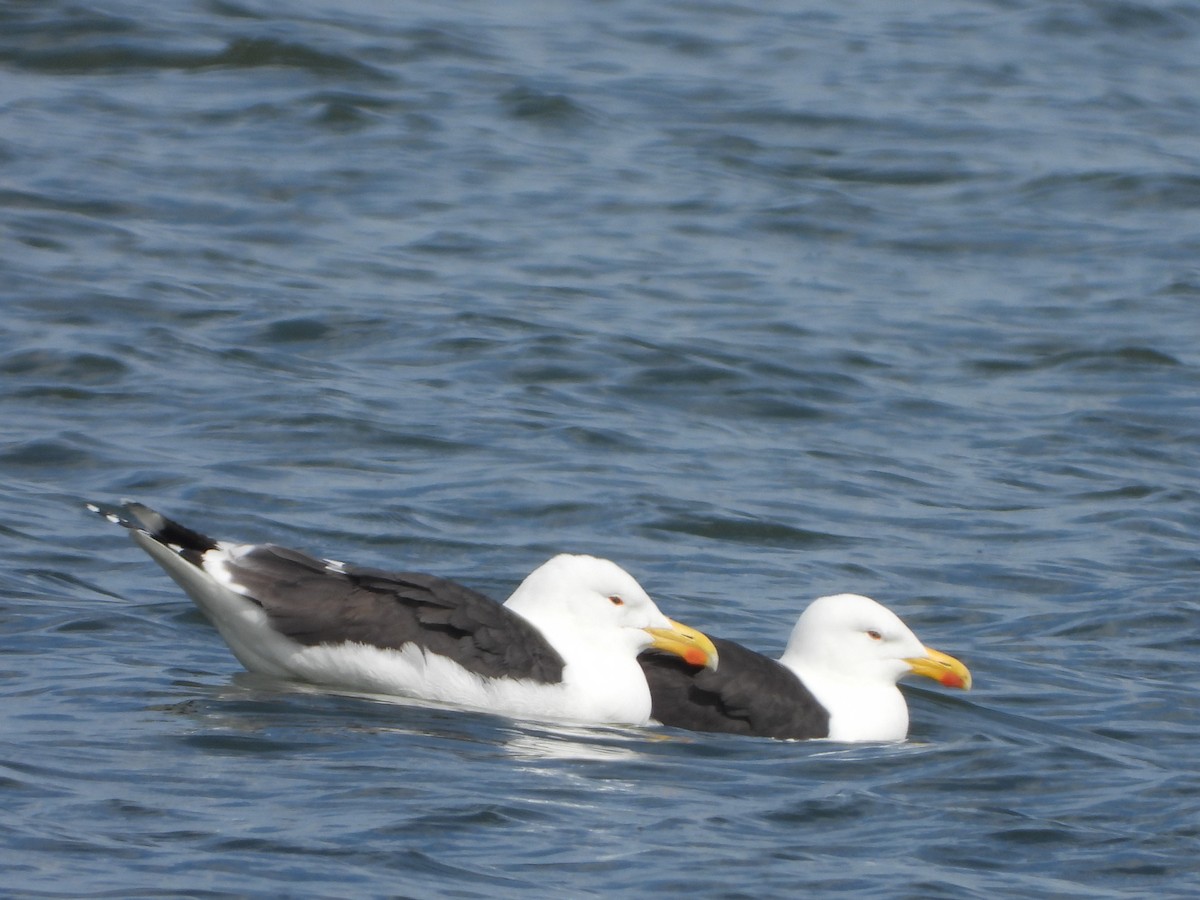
(874, 635)
(616, 601)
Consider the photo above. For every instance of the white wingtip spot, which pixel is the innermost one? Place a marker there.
(112, 517)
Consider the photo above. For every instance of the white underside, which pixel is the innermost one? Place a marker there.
(859, 710)
(614, 696)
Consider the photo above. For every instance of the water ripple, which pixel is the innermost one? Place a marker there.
(762, 303)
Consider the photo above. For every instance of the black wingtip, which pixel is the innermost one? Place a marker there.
(114, 514)
(140, 517)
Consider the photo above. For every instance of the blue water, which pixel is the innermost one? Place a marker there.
(762, 303)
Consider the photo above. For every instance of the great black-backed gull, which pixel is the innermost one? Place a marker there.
(836, 679)
(564, 646)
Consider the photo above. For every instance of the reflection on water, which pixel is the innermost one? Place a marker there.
(582, 743)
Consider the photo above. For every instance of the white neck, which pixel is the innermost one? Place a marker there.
(859, 709)
(607, 690)
(602, 679)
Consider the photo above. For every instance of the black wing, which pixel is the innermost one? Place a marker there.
(748, 694)
(313, 601)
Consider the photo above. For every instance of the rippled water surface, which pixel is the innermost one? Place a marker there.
(761, 301)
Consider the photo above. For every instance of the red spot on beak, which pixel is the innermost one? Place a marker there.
(951, 679)
(695, 657)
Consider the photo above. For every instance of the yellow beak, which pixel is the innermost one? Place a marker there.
(942, 668)
(693, 646)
